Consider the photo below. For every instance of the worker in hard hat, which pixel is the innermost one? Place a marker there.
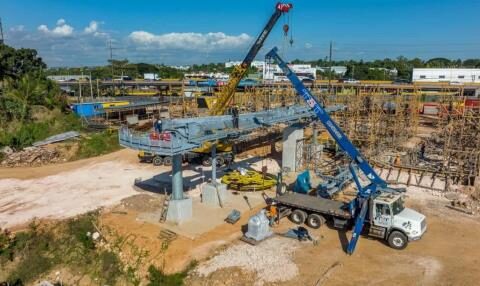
(158, 126)
(272, 213)
(235, 116)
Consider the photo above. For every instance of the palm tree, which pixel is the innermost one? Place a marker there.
(26, 91)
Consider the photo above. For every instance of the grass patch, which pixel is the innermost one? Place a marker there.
(156, 277)
(111, 267)
(40, 250)
(20, 135)
(98, 144)
(36, 252)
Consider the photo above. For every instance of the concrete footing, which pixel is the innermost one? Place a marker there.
(291, 135)
(180, 210)
(215, 194)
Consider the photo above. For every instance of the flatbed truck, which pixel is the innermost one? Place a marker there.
(387, 219)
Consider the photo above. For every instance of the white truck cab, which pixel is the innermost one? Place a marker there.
(395, 223)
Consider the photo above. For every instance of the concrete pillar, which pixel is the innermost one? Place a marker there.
(214, 194)
(177, 178)
(291, 135)
(179, 208)
(214, 163)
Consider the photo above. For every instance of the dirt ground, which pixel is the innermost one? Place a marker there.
(64, 190)
(448, 254)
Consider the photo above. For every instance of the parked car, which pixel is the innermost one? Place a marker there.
(349, 80)
(401, 81)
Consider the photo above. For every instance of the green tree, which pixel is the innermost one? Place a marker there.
(16, 63)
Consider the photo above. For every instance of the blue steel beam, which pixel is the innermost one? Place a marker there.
(184, 134)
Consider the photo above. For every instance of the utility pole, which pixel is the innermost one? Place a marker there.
(2, 40)
(111, 63)
(80, 92)
(91, 87)
(111, 55)
(98, 90)
(330, 67)
(80, 87)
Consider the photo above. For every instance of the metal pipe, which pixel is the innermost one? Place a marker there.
(177, 178)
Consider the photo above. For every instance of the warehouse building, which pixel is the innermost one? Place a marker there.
(274, 73)
(452, 75)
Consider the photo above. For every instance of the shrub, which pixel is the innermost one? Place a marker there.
(156, 277)
(98, 144)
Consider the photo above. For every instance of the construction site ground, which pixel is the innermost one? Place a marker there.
(448, 254)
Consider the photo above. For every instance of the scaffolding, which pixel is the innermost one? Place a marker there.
(383, 121)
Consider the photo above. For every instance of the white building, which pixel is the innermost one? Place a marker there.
(275, 73)
(182, 68)
(256, 64)
(390, 72)
(338, 70)
(446, 75)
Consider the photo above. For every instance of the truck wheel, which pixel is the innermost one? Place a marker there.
(207, 161)
(298, 216)
(157, 161)
(167, 161)
(315, 221)
(397, 240)
(228, 158)
(220, 161)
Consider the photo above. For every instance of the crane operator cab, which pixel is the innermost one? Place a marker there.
(392, 221)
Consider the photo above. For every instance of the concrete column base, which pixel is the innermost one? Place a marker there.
(291, 135)
(210, 195)
(179, 210)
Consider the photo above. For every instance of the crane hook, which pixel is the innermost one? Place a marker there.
(285, 29)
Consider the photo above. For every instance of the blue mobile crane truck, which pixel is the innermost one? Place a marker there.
(376, 207)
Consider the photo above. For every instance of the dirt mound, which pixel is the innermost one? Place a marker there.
(261, 259)
(32, 156)
(143, 203)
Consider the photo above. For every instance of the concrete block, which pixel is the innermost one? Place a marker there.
(210, 196)
(291, 135)
(180, 210)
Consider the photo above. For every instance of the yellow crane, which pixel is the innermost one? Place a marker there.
(225, 154)
(222, 103)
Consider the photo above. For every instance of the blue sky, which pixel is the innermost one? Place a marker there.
(71, 33)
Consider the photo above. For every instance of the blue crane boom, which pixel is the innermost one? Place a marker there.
(332, 128)
(376, 185)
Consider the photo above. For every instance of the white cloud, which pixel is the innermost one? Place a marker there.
(91, 28)
(61, 30)
(19, 28)
(61, 22)
(308, 46)
(189, 41)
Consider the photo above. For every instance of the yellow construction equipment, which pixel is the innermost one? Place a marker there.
(249, 181)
